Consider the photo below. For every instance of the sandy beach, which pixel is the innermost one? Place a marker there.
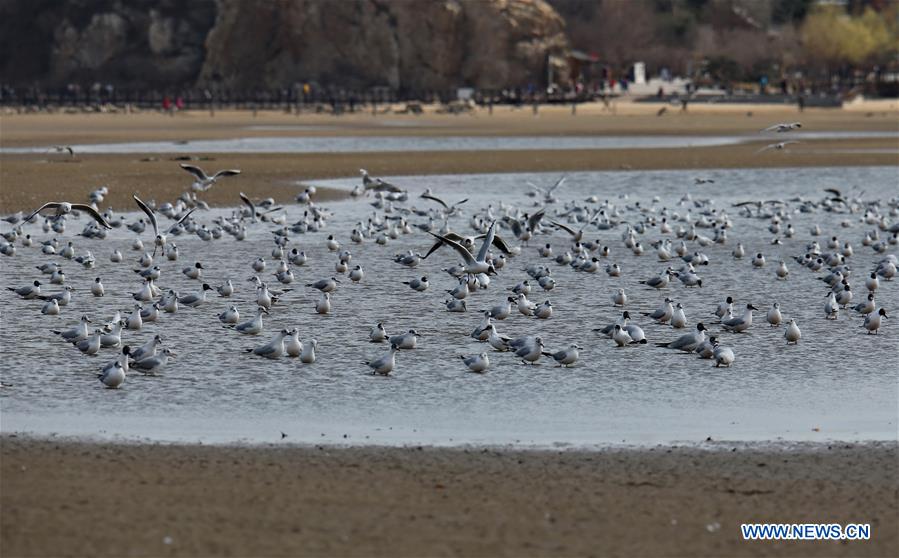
(25, 180)
(167, 500)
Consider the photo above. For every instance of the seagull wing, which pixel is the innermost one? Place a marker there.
(833, 191)
(516, 227)
(149, 213)
(501, 245)
(535, 187)
(92, 212)
(458, 203)
(48, 205)
(565, 228)
(535, 218)
(226, 172)
(181, 220)
(436, 199)
(196, 171)
(488, 240)
(466, 255)
(558, 183)
(247, 201)
(772, 128)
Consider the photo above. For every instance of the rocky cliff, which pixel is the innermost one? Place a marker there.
(250, 44)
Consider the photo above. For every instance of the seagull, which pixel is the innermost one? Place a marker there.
(688, 342)
(621, 336)
(722, 355)
(146, 350)
(663, 313)
(113, 375)
(377, 184)
(774, 317)
(780, 146)
(742, 323)
(273, 349)
(872, 320)
(308, 354)
(28, 292)
(565, 357)
(195, 299)
(473, 264)
(254, 326)
(783, 127)
(77, 333)
(384, 364)
(525, 231)
(448, 209)
(418, 284)
(153, 364)
(64, 208)
(225, 290)
(159, 238)
(406, 340)
(576, 235)
(89, 345)
(476, 363)
(497, 341)
(529, 349)
(205, 182)
(792, 333)
(547, 192)
(293, 347)
(378, 334)
(230, 316)
(660, 281)
(325, 285)
(64, 149)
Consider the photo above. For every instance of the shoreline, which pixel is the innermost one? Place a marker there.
(375, 501)
(30, 180)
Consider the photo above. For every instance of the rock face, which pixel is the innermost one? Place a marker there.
(251, 44)
(418, 45)
(135, 42)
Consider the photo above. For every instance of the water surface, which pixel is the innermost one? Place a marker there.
(836, 384)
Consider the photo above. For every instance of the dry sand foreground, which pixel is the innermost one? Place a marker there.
(28, 180)
(79, 499)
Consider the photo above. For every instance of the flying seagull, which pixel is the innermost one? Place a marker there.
(780, 146)
(64, 208)
(449, 208)
(783, 127)
(159, 238)
(478, 264)
(205, 182)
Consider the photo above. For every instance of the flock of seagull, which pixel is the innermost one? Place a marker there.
(486, 242)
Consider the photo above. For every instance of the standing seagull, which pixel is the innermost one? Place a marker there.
(205, 182)
(64, 208)
(159, 240)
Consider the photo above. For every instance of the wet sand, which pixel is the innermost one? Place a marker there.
(67, 498)
(28, 180)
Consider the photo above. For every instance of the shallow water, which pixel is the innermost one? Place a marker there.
(836, 384)
(430, 143)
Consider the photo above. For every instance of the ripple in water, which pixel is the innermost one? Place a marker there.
(836, 384)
